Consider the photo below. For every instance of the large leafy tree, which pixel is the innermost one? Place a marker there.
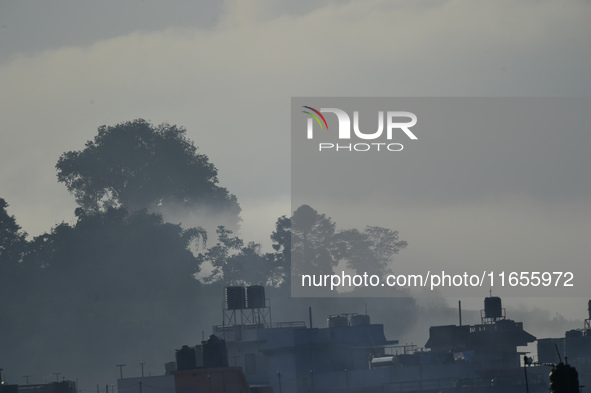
(371, 250)
(137, 166)
(104, 286)
(134, 254)
(310, 243)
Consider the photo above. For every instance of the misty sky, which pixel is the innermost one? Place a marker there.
(226, 71)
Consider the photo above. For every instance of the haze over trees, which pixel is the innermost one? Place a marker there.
(236, 263)
(316, 246)
(136, 165)
(308, 242)
(117, 278)
(122, 282)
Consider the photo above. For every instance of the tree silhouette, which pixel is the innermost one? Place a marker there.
(218, 256)
(12, 239)
(311, 244)
(137, 166)
(312, 241)
(107, 284)
(234, 263)
(137, 255)
(369, 251)
(12, 249)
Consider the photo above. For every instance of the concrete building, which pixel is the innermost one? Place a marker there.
(152, 384)
(211, 380)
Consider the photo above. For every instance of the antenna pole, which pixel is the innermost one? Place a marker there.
(558, 352)
(120, 369)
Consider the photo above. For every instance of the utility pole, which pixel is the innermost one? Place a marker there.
(120, 369)
(347, 378)
(279, 378)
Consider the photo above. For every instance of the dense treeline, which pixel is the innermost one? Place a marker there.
(122, 284)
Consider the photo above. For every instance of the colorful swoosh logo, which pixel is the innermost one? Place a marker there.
(316, 117)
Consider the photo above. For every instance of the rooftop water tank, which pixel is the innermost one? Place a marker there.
(255, 296)
(493, 307)
(359, 320)
(185, 358)
(337, 321)
(574, 333)
(235, 298)
(169, 368)
(215, 353)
